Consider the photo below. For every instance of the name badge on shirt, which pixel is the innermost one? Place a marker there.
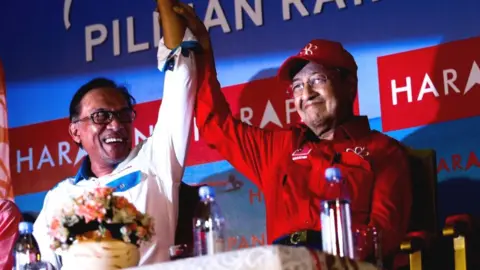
(126, 182)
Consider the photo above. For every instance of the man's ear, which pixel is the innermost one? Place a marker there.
(74, 133)
(353, 93)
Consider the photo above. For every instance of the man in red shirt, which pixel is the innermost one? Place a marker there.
(288, 165)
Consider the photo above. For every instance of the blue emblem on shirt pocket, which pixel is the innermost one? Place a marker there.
(126, 182)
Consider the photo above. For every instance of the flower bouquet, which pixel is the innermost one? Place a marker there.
(99, 230)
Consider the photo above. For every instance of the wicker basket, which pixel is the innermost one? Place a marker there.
(105, 254)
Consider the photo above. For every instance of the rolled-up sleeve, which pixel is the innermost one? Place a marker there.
(165, 150)
(170, 137)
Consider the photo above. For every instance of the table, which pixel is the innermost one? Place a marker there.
(261, 258)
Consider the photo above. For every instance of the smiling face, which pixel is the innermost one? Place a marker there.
(106, 137)
(322, 99)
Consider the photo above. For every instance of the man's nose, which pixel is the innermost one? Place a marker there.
(115, 124)
(307, 92)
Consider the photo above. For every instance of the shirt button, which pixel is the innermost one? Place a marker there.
(307, 222)
(121, 186)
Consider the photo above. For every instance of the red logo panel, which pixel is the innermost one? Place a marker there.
(430, 85)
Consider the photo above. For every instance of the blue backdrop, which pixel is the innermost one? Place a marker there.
(45, 62)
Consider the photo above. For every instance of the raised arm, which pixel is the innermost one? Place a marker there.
(249, 149)
(172, 25)
(166, 149)
(171, 133)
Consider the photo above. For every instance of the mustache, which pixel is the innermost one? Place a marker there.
(312, 100)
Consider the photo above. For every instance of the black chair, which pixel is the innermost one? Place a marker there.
(416, 249)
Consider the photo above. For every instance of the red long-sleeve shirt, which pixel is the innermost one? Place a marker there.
(288, 166)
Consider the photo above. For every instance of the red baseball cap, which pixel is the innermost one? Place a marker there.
(321, 51)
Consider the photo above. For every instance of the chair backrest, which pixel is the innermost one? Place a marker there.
(187, 202)
(423, 166)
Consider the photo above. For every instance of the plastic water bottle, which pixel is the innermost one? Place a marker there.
(335, 216)
(26, 252)
(26, 249)
(208, 225)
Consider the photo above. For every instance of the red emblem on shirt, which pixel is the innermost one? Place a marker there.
(301, 153)
(359, 150)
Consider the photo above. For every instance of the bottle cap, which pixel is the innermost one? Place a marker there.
(333, 173)
(206, 191)
(25, 227)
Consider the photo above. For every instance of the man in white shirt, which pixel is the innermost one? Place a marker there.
(148, 175)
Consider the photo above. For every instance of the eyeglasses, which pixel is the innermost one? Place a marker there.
(104, 117)
(316, 81)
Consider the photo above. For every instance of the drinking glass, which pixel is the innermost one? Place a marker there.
(367, 243)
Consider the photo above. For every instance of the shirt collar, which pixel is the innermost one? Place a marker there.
(84, 172)
(354, 129)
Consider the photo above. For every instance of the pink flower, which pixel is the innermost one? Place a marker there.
(102, 192)
(55, 224)
(91, 212)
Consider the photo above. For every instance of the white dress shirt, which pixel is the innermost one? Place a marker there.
(151, 174)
